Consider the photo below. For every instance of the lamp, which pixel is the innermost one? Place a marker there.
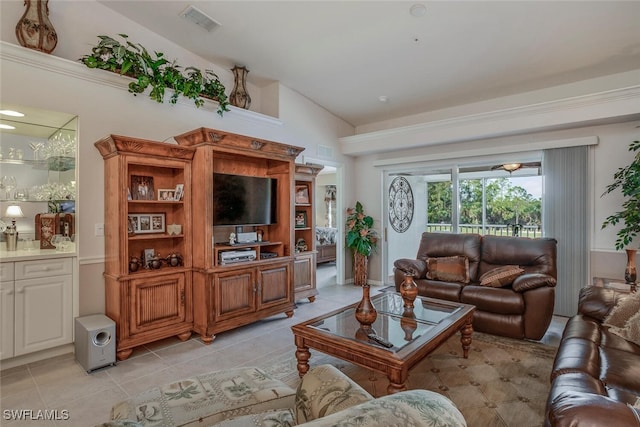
(511, 167)
(11, 233)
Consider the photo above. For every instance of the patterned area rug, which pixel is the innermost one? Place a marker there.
(504, 382)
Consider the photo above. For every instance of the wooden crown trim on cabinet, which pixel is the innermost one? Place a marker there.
(225, 140)
(116, 144)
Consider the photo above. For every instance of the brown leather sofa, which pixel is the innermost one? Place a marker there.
(596, 374)
(522, 309)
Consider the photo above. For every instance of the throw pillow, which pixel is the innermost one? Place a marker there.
(532, 281)
(623, 310)
(448, 269)
(631, 329)
(500, 276)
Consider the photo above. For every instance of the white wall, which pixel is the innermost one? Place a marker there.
(104, 106)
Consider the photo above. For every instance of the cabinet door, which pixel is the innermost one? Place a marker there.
(304, 273)
(6, 318)
(235, 293)
(274, 285)
(157, 302)
(43, 313)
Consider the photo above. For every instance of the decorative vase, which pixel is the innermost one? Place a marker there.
(630, 270)
(366, 313)
(360, 263)
(409, 291)
(34, 30)
(239, 96)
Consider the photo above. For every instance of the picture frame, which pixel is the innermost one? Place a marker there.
(179, 192)
(147, 223)
(301, 219)
(302, 194)
(167, 194)
(142, 187)
(147, 254)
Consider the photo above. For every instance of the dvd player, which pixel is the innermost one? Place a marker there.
(230, 257)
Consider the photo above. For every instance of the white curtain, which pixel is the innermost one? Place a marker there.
(566, 218)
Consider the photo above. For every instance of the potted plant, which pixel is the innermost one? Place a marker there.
(362, 239)
(627, 179)
(155, 71)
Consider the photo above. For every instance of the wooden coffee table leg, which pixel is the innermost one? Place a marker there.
(397, 380)
(465, 338)
(302, 356)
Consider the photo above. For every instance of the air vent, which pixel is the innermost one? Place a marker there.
(199, 18)
(325, 152)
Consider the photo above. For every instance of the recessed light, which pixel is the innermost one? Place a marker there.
(418, 10)
(11, 113)
(3, 126)
(383, 98)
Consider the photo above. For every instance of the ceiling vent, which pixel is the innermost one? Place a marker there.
(199, 18)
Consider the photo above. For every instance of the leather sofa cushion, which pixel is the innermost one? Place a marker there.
(532, 255)
(448, 291)
(577, 355)
(448, 269)
(583, 327)
(493, 300)
(573, 408)
(622, 369)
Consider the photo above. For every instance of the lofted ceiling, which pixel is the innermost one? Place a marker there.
(345, 55)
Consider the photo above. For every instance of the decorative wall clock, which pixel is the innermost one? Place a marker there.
(400, 204)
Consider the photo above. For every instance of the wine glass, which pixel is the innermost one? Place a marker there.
(9, 184)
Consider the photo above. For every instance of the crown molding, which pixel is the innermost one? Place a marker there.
(528, 118)
(77, 70)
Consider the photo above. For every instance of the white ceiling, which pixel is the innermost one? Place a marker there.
(344, 55)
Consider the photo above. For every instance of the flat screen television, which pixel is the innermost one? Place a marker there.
(244, 200)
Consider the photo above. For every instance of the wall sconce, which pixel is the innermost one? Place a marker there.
(11, 233)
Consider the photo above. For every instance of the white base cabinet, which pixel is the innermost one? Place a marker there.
(37, 305)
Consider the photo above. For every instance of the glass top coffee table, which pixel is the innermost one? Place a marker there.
(394, 343)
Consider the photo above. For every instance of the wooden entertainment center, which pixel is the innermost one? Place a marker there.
(201, 292)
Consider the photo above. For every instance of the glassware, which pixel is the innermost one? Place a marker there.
(8, 184)
(22, 194)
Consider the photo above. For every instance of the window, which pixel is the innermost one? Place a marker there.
(488, 201)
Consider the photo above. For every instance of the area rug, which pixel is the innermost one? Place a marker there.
(504, 382)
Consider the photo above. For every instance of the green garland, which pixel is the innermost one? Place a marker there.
(135, 61)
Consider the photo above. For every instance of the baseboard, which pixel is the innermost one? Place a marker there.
(36, 357)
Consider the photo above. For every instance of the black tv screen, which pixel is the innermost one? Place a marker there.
(244, 200)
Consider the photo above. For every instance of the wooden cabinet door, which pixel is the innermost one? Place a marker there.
(234, 293)
(157, 302)
(274, 285)
(46, 316)
(304, 273)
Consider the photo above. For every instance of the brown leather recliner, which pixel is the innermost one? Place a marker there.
(520, 310)
(595, 380)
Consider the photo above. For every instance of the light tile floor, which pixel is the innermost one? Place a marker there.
(61, 384)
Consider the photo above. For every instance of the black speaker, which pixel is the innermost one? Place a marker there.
(95, 341)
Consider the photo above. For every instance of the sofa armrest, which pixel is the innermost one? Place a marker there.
(529, 281)
(414, 267)
(413, 407)
(325, 390)
(574, 408)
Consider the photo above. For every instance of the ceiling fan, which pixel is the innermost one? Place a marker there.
(512, 167)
